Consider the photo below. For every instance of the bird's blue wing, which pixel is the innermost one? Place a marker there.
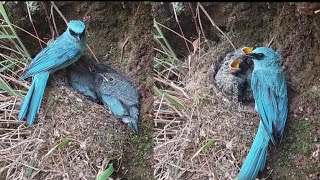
(282, 104)
(271, 102)
(85, 89)
(114, 104)
(83, 81)
(51, 57)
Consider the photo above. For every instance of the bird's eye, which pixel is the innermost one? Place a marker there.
(93, 70)
(111, 79)
(260, 56)
(72, 32)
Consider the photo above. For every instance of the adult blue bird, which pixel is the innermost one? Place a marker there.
(270, 95)
(62, 52)
(100, 81)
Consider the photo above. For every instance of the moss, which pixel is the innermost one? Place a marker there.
(143, 145)
(299, 138)
(143, 77)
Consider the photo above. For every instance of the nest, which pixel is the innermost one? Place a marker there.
(73, 138)
(210, 137)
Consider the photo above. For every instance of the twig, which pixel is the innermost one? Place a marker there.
(199, 19)
(48, 18)
(122, 48)
(194, 17)
(174, 86)
(176, 17)
(175, 33)
(60, 13)
(214, 24)
(25, 31)
(34, 28)
(54, 21)
(43, 170)
(92, 53)
(270, 43)
(14, 80)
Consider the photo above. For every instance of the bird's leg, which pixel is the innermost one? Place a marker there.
(247, 109)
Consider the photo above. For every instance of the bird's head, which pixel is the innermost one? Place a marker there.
(263, 56)
(76, 29)
(107, 78)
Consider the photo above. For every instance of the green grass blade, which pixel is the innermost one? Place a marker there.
(155, 23)
(4, 68)
(7, 36)
(209, 144)
(63, 143)
(4, 86)
(107, 173)
(171, 100)
(6, 18)
(3, 12)
(30, 170)
(157, 36)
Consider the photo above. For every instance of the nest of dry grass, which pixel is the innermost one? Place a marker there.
(73, 138)
(208, 138)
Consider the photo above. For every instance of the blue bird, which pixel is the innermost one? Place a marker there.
(118, 94)
(270, 95)
(62, 52)
(109, 87)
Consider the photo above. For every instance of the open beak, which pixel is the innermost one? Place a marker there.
(234, 65)
(247, 50)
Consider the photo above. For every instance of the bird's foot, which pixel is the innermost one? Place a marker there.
(247, 109)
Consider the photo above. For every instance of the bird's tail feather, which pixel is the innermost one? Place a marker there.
(256, 159)
(26, 101)
(32, 101)
(133, 126)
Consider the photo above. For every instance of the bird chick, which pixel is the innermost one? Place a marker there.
(103, 84)
(234, 76)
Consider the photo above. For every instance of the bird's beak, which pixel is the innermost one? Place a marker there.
(106, 79)
(247, 50)
(78, 38)
(234, 65)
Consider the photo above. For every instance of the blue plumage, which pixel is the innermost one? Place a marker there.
(82, 79)
(110, 87)
(62, 52)
(270, 95)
